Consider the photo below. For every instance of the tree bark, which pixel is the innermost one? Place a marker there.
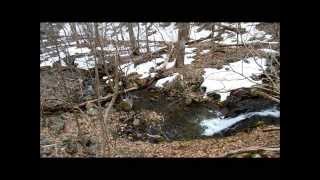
(138, 35)
(182, 39)
(147, 41)
(135, 49)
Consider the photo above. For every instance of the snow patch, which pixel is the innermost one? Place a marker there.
(232, 76)
(189, 54)
(194, 35)
(251, 32)
(142, 69)
(205, 51)
(160, 83)
(85, 62)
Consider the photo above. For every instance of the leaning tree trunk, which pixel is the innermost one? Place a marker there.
(182, 39)
(134, 47)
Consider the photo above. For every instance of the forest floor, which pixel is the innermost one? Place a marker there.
(59, 136)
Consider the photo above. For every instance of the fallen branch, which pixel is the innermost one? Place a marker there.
(271, 129)
(265, 95)
(102, 99)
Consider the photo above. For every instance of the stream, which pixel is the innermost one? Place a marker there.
(200, 120)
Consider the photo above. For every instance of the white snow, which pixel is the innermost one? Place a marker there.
(194, 35)
(189, 54)
(74, 50)
(169, 34)
(142, 69)
(66, 31)
(216, 125)
(85, 62)
(108, 48)
(222, 81)
(160, 83)
(205, 51)
(251, 32)
(171, 64)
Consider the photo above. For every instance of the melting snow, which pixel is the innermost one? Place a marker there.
(251, 32)
(189, 54)
(194, 35)
(205, 51)
(222, 81)
(85, 62)
(142, 69)
(160, 83)
(216, 125)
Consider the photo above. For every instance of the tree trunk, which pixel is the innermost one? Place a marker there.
(147, 41)
(138, 35)
(180, 45)
(74, 32)
(135, 49)
(213, 27)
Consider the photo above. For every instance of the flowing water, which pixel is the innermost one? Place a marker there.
(198, 120)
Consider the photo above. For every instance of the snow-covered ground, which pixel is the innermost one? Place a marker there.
(160, 83)
(205, 51)
(168, 34)
(216, 125)
(47, 59)
(142, 69)
(251, 32)
(194, 34)
(233, 76)
(189, 54)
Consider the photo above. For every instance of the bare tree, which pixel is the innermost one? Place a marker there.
(147, 35)
(213, 28)
(180, 45)
(138, 34)
(134, 47)
(74, 33)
